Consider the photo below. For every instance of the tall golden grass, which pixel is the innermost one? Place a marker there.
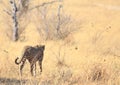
(89, 56)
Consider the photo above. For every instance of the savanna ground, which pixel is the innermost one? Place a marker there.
(88, 56)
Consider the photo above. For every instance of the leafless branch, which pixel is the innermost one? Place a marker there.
(43, 4)
(8, 12)
(59, 18)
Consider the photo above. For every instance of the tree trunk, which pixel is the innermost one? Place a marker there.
(15, 22)
(59, 19)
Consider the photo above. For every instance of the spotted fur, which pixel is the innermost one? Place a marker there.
(32, 54)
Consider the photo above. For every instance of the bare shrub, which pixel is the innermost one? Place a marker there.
(15, 14)
(23, 22)
(98, 36)
(62, 74)
(98, 73)
(60, 62)
(55, 24)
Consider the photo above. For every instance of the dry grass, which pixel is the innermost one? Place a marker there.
(100, 71)
(89, 56)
